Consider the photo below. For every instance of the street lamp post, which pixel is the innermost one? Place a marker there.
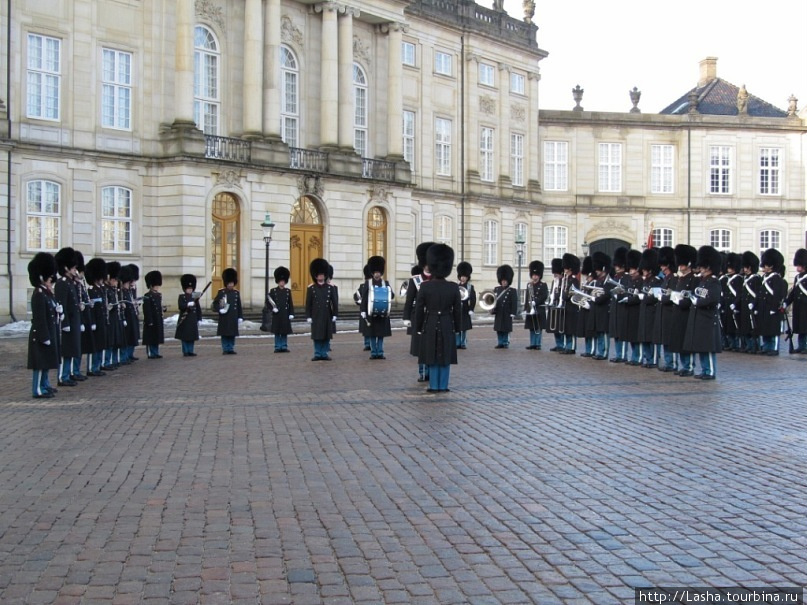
(268, 226)
(520, 255)
(585, 248)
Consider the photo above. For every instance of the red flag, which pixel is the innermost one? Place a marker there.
(650, 237)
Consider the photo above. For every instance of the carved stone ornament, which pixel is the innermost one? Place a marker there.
(310, 185)
(378, 193)
(229, 177)
(518, 112)
(289, 32)
(361, 50)
(208, 10)
(608, 227)
(487, 105)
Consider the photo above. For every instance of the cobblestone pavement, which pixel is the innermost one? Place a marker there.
(263, 478)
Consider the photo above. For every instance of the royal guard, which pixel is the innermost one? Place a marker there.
(632, 302)
(321, 309)
(771, 301)
(43, 339)
(702, 335)
(797, 300)
(376, 300)
(357, 299)
(464, 271)
(420, 274)
(600, 304)
(685, 257)
(129, 274)
(571, 269)
(617, 317)
(585, 326)
(731, 288)
(190, 315)
(96, 274)
(505, 306)
(555, 305)
(114, 340)
(534, 305)
(650, 296)
(153, 327)
(752, 283)
(87, 341)
(230, 312)
(663, 322)
(282, 310)
(67, 295)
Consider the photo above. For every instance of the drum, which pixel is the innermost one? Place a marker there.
(378, 302)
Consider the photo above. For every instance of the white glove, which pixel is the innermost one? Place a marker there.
(46, 343)
(512, 316)
(732, 306)
(59, 309)
(66, 329)
(471, 313)
(223, 311)
(641, 296)
(363, 315)
(83, 328)
(291, 316)
(275, 310)
(125, 323)
(407, 323)
(92, 327)
(240, 320)
(191, 304)
(333, 318)
(751, 306)
(308, 320)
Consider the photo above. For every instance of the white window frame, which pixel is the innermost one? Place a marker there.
(770, 238)
(408, 134)
(720, 239)
(43, 215)
(116, 219)
(486, 149)
(610, 167)
(770, 171)
(44, 78)
(662, 236)
(443, 63)
(289, 97)
(442, 143)
(518, 83)
(662, 169)
(556, 165)
(517, 159)
(206, 80)
(361, 104)
(116, 89)
(721, 163)
(556, 241)
(521, 230)
(408, 53)
(487, 74)
(444, 230)
(491, 242)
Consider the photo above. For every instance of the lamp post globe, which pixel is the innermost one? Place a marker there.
(268, 226)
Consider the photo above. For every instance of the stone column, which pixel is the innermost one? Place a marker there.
(470, 130)
(346, 79)
(532, 153)
(329, 76)
(395, 98)
(505, 122)
(183, 102)
(271, 72)
(253, 69)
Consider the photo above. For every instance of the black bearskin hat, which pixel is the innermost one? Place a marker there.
(65, 259)
(505, 272)
(415, 270)
(633, 259)
(464, 268)
(620, 257)
(95, 270)
(154, 278)
(600, 261)
(772, 258)
(537, 268)
(126, 274)
(587, 270)
(376, 264)
(800, 258)
(80, 262)
(367, 274)
(649, 261)
(188, 281)
(751, 260)
(41, 267)
(709, 258)
(229, 276)
(440, 260)
(420, 252)
(571, 262)
(685, 255)
(329, 275)
(113, 269)
(734, 261)
(724, 261)
(135, 271)
(666, 257)
(282, 274)
(557, 266)
(319, 266)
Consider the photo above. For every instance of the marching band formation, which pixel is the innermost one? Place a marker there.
(663, 308)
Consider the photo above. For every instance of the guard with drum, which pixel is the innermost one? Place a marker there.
(376, 300)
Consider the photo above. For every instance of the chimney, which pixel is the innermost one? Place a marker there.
(708, 70)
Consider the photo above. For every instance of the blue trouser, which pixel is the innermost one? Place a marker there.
(154, 350)
(438, 377)
(601, 342)
(535, 338)
(40, 383)
(111, 357)
(321, 348)
(558, 340)
(685, 362)
(802, 343)
(462, 338)
(750, 343)
(708, 363)
(187, 346)
(569, 342)
(503, 339)
(770, 343)
(76, 369)
(281, 342)
(588, 344)
(650, 353)
(65, 369)
(227, 343)
(366, 342)
(97, 361)
(376, 346)
(670, 360)
(423, 371)
(635, 352)
(619, 349)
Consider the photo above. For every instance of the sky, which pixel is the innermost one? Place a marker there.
(608, 47)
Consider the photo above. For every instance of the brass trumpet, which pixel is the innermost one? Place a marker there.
(580, 298)
(464, 295)
(487, 300)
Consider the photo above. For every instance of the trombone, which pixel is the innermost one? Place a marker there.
(557, 306)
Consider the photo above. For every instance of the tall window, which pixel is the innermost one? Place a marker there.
(408, 56)
(377, 232)
(43, 215)
(770, 238)
(556, 165)
(360, 111)
(517, 159)
(442, 142)
(517, 83)
(610, 167)
(442, 63)
(769, 171)
(661, 168)
(486, 74)
(444, 230)
(486, 154)
(409, 138)
(556, 240)
(116, 219)
(719, 169)
(206, 59)
(720, 239)
(289, 98)
(491, 243)
(521, 234)
(116, 89)
(44, 77)
(662, 237)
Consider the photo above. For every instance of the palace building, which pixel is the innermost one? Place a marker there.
(165, 134)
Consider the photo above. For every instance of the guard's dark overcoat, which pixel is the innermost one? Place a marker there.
(114, 337)
(748, 304)
(153, 327)
(731, 288)
(131, 331)
(281, 324)
(438, 315)
(412, 289)
(703, 333)
(680, 313)
(44, 328)
(648, 309)
(228, 322)
(321, 304)
(504, 309)
(771, 297)
(100, 316)
(376, 326)
(187, 329)
(534, 309)
(468, 305)
(66, 292)
(797, 297)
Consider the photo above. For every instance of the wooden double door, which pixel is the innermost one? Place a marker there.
(305, 245)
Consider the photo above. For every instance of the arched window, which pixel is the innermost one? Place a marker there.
(360, 104)
(289, 98)
(377, 232)
(305, 212)
(206, 99)
(225, 236)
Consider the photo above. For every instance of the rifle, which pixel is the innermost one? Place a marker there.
(195, 299)
(789, 331)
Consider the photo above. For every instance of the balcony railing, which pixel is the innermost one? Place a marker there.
(380, 170)
(308, 159)
(227, 149)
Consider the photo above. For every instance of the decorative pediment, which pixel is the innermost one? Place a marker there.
(609, 227)
(361, 50)
(378, 193)
(310, 184)
(231, 178)
(289, 32)
(210, 11)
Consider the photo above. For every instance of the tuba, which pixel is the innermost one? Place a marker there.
(580, 298)
(464, 295)
(487, 300)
